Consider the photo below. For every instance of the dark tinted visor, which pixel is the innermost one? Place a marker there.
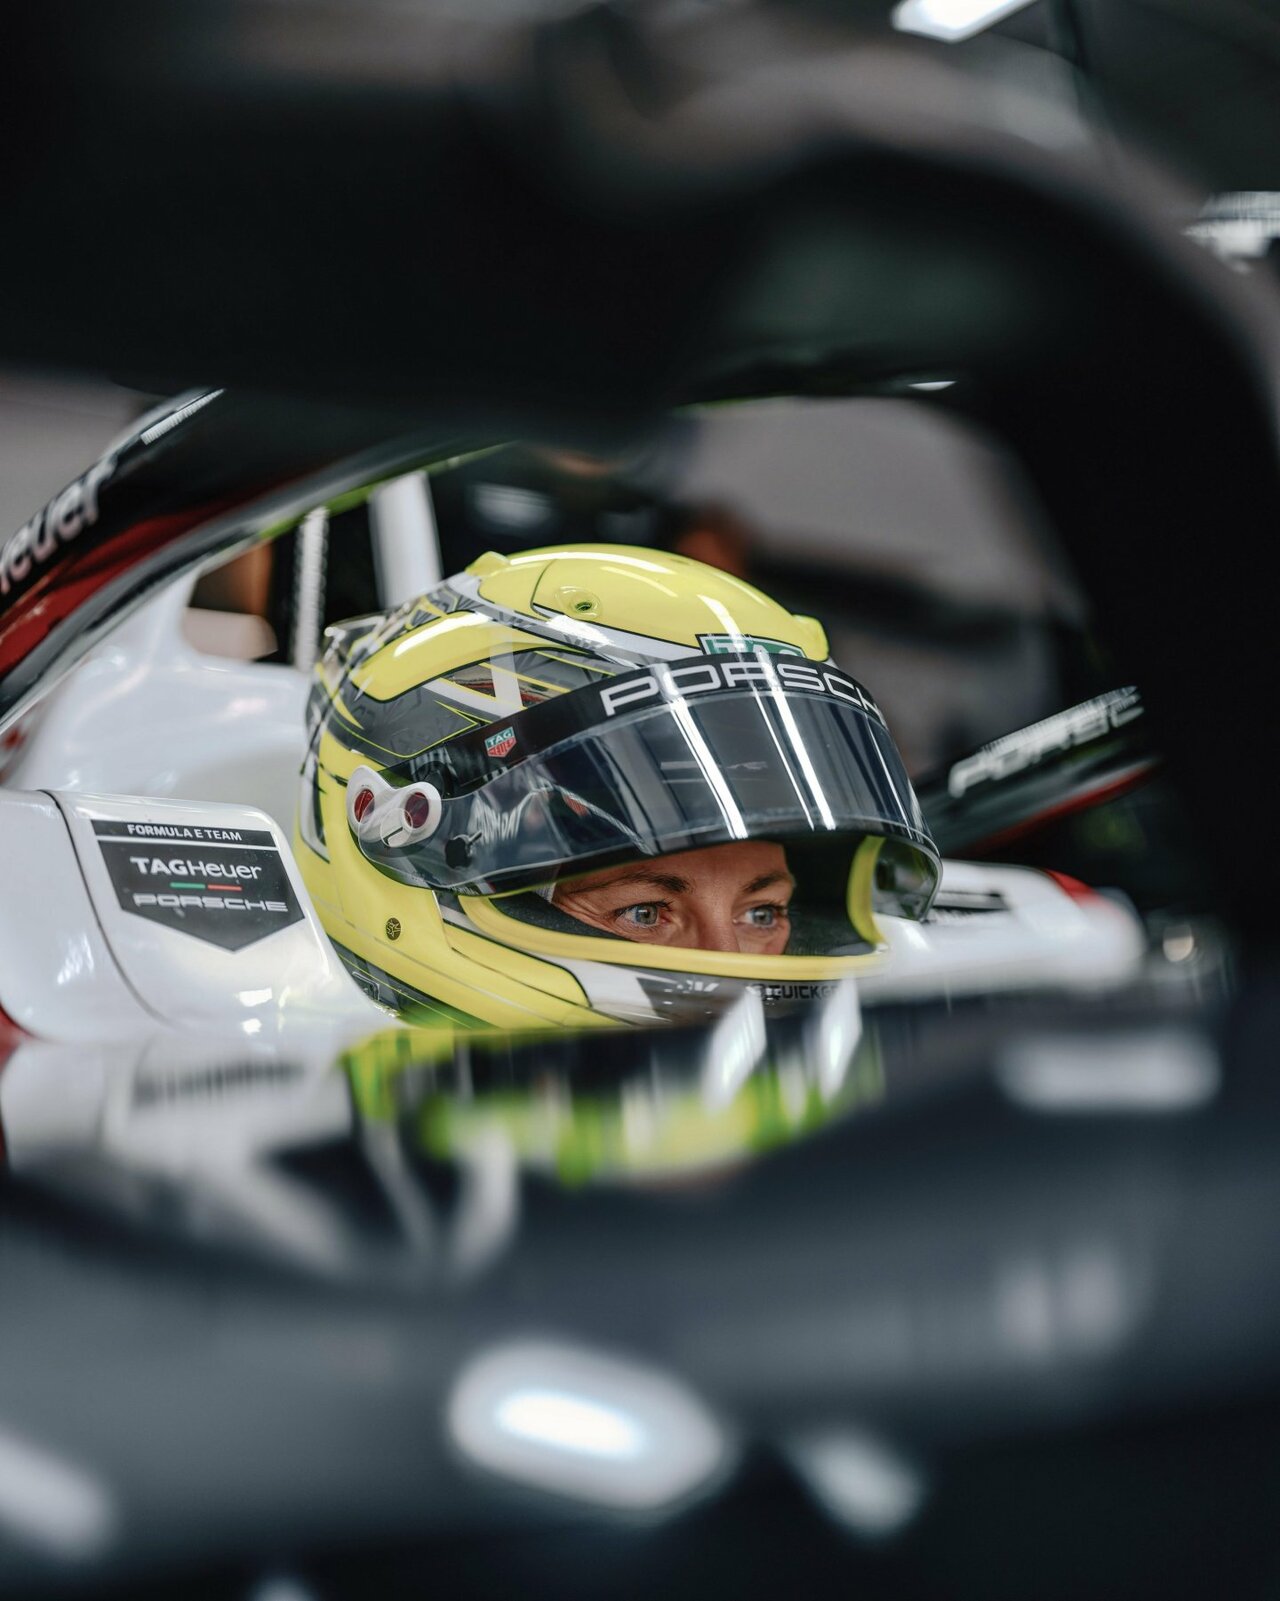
(691, 754)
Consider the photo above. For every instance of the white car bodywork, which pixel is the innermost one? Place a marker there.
(147, 714)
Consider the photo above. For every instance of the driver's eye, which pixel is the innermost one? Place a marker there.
(765, 916)
(643, 916)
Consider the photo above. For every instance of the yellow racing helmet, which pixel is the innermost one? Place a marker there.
(554, 713)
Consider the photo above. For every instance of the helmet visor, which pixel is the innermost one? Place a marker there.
(672, 758)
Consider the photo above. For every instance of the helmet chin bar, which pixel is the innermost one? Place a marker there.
(391, 814)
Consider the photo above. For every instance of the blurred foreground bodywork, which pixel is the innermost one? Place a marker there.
(1010, 1325)
(781, 215)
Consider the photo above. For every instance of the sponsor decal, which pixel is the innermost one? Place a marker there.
(183, 831)
(502, 743)
(742, 644)
(171, 419)
(958, 916)
(1030, 746)
(710, 677)
(212, 1082)
(227, 886)
(65, 517)
(957, 907)
(678, 983)
(775, 994)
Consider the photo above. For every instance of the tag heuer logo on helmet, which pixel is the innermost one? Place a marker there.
(741, 644)
(502, 743)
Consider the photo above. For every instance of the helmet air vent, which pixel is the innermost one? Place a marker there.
(417, 809)
(382, 813)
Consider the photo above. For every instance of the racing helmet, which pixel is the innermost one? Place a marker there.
(548, 714)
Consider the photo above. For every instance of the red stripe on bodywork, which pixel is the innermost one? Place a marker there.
(60, 590)
(1075, 803)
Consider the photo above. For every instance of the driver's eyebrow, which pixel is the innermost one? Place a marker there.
(766, 880)
(671, 882)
